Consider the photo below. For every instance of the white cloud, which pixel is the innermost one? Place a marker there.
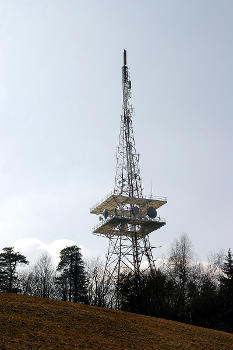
(33, 247)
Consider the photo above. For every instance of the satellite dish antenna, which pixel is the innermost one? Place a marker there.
(135, 211)
(105, 213)
(151, 212)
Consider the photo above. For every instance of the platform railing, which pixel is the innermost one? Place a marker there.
(120, 217)
(104, 199)
(158, 198)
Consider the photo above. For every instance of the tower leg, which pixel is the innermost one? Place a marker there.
(124, 254)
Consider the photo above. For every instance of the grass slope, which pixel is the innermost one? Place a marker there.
(35, 323)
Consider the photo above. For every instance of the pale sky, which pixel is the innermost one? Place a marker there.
(60, 106)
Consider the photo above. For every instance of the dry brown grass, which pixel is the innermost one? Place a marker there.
(31, 323)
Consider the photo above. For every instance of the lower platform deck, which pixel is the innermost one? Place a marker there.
(128, 226)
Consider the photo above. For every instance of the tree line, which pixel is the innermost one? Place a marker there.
(179, 289)
(67, 282)
(183, 290)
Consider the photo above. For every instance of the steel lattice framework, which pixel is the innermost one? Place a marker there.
(126, 217)
(128, 180)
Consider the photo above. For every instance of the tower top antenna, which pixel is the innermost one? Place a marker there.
(125, 61)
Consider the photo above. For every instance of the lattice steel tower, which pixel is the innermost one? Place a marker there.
(126, 217)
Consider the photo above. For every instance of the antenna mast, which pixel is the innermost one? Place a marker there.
(127, 180)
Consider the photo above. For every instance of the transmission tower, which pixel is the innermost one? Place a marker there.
(126, 217)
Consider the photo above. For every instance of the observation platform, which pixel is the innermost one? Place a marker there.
(123, 220)
(115, 200)
(126, 226)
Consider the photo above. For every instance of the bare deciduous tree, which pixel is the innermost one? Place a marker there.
(43, 275)
(95, 270)
(179, 269)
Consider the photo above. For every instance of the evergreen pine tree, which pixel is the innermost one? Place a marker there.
(9, 260)
(226, 293)
(72, 279)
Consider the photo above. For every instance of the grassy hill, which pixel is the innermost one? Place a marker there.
(35, 323)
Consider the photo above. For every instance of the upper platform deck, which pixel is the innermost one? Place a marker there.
(115, 200)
